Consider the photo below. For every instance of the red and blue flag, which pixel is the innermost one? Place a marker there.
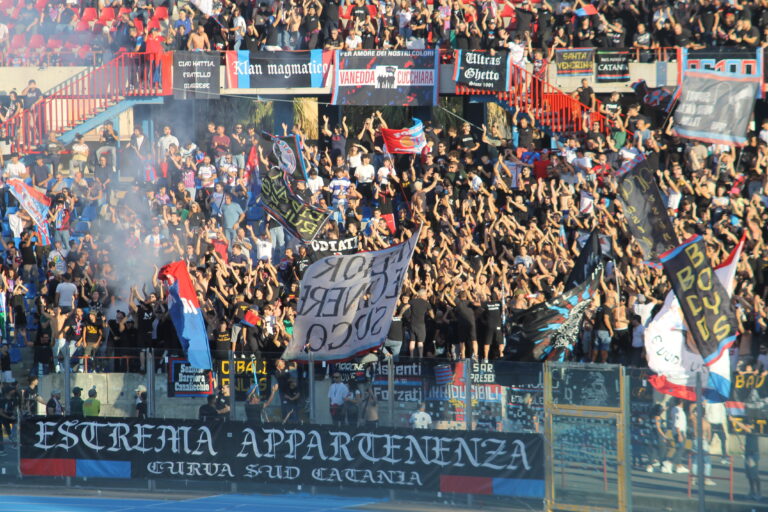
(35, 203)
(186, 315)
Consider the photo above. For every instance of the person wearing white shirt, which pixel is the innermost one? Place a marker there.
(517, 51)
(264, 247)
(336, 394)
(642, 308)
(715, 415)
(15, 168)
(385, 171)
(679, 424)
(638, 341)
(421, 418)
(315, 182)
(353, 40)
(764, 132)
(164, 142)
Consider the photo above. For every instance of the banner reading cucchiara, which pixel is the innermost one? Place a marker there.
(402, 78)
(423, 460)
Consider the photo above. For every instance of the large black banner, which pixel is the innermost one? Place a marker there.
(196, 75)
(401, 78)
(748, 404)
(423, 460)
(278, 70)
(285, 153)
(646, 215)
(716, 107)
(586, 263)
(481, 70)
(611, 65)
(705, 303)
(301, 219)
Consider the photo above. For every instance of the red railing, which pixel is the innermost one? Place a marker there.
(88, 93)
(552, 108)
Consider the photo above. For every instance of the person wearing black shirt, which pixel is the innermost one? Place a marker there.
(76, 403)
(525, 15)
(222, 341)
(94, 335)
(461, 41)
(145, 317)
(208, 411)
(466, 328)
(417, 316)
(492, 327)
(141, 406)
(221, 402)
(585, 94)
(395, 336)
(254, 407)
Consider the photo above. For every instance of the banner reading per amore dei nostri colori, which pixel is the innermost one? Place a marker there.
(399, 78)
(224, 451)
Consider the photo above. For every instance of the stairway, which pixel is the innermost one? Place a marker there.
(90, 93)
(555, 111)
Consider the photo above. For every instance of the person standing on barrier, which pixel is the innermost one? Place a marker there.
(54, 408)
(657, 448)
(370, 408)
(352, 404)
(336, 394)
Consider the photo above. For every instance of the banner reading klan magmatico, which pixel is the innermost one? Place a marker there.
(278, 70)
(400, 78)
(346, 303)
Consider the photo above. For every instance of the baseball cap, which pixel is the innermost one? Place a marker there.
(76, 389)
(55, 392)
(141, 388)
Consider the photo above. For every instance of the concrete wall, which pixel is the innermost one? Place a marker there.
(46, 78)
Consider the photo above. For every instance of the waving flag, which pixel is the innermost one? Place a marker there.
(35, 203)
(552, 327)
(587, 10)
(406, 140)
(674, 362)
(186, 315)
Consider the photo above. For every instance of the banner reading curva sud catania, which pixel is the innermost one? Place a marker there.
(401, 78)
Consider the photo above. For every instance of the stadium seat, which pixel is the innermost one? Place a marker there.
(40, 5)
(161, 13)
(153, 23)
(346, 11)
(89, 14)
(373, 11)
(139, 25)
(84, 51)
(107, 15)
(123, 10)
(18, 42)
(82, 26)
(36, 42)
(54, 44)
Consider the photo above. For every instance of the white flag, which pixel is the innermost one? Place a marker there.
(673, 360)
(346, 303)
(205, 6)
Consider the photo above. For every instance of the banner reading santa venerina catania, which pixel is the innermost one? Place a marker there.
(402, 78)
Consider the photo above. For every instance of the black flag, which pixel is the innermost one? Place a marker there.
(703, 299)
(644, 210)
(586, 263)
(552, 328)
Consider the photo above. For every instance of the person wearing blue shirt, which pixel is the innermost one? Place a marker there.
(232, 215)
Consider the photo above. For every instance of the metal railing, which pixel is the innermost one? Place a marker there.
(86, 94)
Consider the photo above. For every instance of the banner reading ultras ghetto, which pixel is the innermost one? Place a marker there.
(448, 461)
(386, 78)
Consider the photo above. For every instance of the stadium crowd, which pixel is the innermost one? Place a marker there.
(504, 218)
(57, 32)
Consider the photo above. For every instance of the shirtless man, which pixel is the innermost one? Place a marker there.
(57, 319)
(198, 40)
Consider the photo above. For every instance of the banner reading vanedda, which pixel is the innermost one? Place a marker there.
(347, 302)
(644, 209)
(716, 107)
(575, 62)
(196, 75)
(403, 459)
(301, 219)
(402, 78)
(611, 65)
(705, 303)
(278, 70)
(481, 70)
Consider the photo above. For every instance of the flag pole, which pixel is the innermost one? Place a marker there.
(700, 442)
